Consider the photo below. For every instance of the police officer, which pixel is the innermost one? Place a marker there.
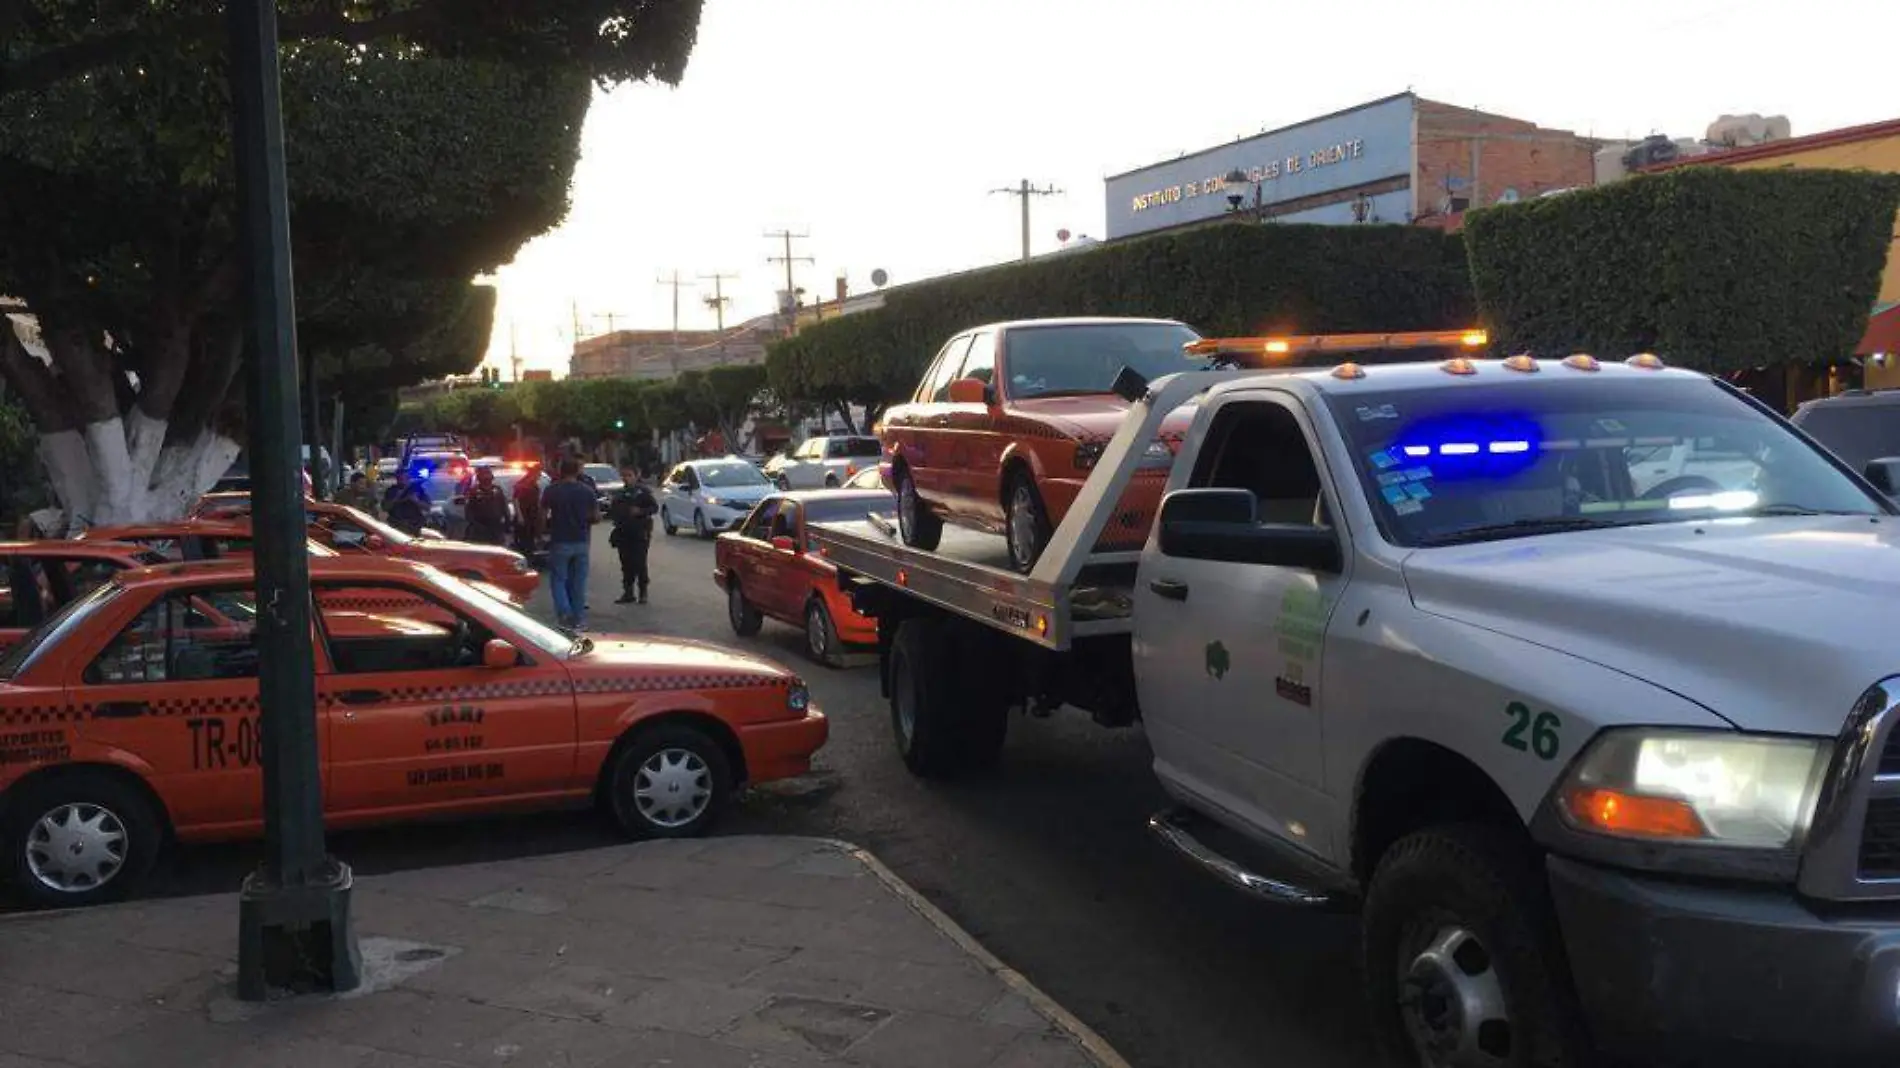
(632, 508)
(406, 504)
(486, 509)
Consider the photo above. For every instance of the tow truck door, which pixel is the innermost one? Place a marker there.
(1230, 654)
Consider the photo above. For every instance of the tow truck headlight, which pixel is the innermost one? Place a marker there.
(1736, 790)
(798, 699)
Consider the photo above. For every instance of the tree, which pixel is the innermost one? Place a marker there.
(720, 397)
(410, 173)
(46, 42)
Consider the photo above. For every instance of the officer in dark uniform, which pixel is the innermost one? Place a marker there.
(632, 509)
(486, 509)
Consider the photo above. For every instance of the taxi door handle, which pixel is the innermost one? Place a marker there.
(121, 710)
(362, 697)
(1170, 588)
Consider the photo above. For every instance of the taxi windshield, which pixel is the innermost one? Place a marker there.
(730, 476)
(376, 526)
(61, 623)
(1049, 361)
(1481, 462)
(539, 634)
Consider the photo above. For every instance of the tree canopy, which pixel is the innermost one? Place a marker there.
(595, 408)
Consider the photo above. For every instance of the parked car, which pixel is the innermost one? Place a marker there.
(191, 540)
(765, 567)
(868, 478)
(606, 479)
(37, 578)
(824, 462)
(1862, 427)
(439, 473)
(710, 495)
(1009, 421)
(490, 712)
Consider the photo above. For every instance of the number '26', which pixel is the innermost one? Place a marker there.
(1543, 730)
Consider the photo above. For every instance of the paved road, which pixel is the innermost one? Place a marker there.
(1046, 861)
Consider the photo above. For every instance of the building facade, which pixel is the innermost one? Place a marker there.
(1402, 159)
(661, 354)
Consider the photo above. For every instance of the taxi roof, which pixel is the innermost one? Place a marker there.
(91, 548)
(367, 568)
(1433, 375)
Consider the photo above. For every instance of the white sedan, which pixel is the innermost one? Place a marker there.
(710, 495)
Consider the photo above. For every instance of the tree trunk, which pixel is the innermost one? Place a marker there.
(843, 409)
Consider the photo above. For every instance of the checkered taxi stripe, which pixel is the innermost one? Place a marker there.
(712, 680)
(489, 691)
(33, 715)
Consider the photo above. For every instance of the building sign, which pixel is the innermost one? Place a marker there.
(1337, 152)
(1263, 173)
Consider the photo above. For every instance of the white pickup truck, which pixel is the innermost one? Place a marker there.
(1607, 762)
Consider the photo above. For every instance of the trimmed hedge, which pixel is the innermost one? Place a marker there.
(1707, 267)
(1221, 280)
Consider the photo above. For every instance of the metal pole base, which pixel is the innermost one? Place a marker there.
(297, 938)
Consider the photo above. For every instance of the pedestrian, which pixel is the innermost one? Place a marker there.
(572, 510)
(528, 511)
(632, 508)
(358, 494)
(485, 509)
(406, 504)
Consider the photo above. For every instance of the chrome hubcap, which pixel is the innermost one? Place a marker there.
(672, 788)
(815, 635)
(1022, 524)
(1453, 1003)
(76, 847)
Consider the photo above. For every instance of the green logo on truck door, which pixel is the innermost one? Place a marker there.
(1217, 661)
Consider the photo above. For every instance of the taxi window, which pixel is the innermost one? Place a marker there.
(23, 593)
(785, 524)
(760, 521)
(938, 388)
(63, 624)
(183, 637)
(981, 363)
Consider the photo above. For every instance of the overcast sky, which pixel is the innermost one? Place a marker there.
(879, 126)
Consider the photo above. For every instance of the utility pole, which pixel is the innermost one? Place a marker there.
(791, 290)
(676, 282)
(576, 308)
(294, 928)
(514, 349)
(718, 301)
(1025, 191)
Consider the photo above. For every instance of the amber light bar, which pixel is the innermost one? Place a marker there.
(1305, 343)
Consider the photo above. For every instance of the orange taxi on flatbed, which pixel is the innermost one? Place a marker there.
(132, 715)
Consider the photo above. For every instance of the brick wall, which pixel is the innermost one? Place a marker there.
(1512, 154)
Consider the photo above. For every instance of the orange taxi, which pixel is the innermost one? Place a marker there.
(188, 540)
(351, 530)
(767, 568)
(132, 717)
(41, 576)
(1010, 419)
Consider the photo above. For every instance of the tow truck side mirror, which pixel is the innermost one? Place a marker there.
(1223, 524)
(498, 654)
(1884, 473)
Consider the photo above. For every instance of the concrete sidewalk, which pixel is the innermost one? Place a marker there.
(716, 953)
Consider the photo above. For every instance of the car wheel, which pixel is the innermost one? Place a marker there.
(699, 523)
(79, 838)
(1026, 523)
(916, 524)
(666, 522)
(668, 781)
(1462, 958)
(744, 618)
(821, 637)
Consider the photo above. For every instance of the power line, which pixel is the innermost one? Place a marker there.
(1025, 191)
(791, 289)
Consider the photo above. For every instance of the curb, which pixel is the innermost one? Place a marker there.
(1093, 1045)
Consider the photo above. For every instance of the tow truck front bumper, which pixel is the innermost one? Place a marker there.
(1728, 974)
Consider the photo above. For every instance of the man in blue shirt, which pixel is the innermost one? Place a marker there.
(572, 510)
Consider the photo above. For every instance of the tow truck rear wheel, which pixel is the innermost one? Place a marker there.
(945, 722)
(1462, 958)
(79, 837)
(917, 525)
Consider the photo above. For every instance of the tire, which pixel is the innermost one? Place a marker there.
(680, 766)
(821, 635)
(744, 618)
(944, 725)
(666, 522)
(1025, 522)
(699, 524)
(1464, 909)
(73, 801)
(917, 525)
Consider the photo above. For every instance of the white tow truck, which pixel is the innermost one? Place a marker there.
(1605, 762)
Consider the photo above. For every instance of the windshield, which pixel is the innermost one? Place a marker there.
(1857, 433)
(730, 476)
(374, 526)
(67, 619)
(1050, 360)
(1478, 462)
(542, 636)
(855, 448)
(601, 473)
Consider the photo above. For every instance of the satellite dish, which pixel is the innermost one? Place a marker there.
(879, 277)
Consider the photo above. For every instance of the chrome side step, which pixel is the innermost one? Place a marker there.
(1172, 826)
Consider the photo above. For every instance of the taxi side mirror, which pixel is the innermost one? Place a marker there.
(971, 391)
(1884, 473)
(375, 543)
(785, 543)
(498, 654)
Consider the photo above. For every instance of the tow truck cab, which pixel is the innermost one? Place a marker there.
(1600, 751)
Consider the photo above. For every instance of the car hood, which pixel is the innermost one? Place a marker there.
(1095, 417)
(688, 663)
(746, 494)
(464, 553)
(1775, 624)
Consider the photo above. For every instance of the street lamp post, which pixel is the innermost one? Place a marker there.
(294, 926)
(1235, 180)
